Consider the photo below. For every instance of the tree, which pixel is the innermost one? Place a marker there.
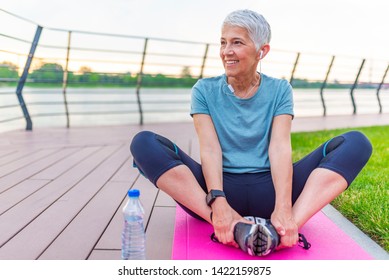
(85, 69)
(48, 72)
(185, 73)
(87, 76)
(8, 71)
(186, 78)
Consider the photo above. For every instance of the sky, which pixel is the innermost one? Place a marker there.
(352, 29)
(346, 27)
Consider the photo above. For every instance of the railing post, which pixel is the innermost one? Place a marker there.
(294, 68)
(23, 78)
(354, 86)
(324, 85)
(65, 80)
(139, 82)
(204, 60)
(379, 88)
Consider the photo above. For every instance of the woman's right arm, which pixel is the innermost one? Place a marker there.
(210, 151)
(224, 217)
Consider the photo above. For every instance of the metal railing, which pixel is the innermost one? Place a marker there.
(62, 62)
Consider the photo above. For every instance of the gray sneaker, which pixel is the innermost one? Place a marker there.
(258, 239)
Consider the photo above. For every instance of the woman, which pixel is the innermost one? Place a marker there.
(243, 122)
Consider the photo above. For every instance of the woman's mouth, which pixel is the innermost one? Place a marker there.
(231, 62)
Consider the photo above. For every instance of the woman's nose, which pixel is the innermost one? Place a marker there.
(228, 49)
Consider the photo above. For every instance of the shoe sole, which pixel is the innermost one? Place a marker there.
(260, 241)
(260, 238)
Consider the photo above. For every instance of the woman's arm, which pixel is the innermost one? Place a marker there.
(210, 151)
(224, 217)
(280, 156)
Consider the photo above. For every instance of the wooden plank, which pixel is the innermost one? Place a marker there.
(97, 136)
(6, 152)
(125, 172)
(17, 154)
(109, 238)
(105, 255)
(163, 199)
(74, 137)
(25, 161)
(18, 217)
(55, 170)
(159, 235)
(26, 172)
(19, 192)
(49, 224)
(40, 138)
(79, 237)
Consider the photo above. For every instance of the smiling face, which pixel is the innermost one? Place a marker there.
(238, 53)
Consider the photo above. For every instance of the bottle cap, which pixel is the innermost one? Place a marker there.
(133, 193)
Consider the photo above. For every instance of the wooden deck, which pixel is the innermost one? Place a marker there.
(62, 191)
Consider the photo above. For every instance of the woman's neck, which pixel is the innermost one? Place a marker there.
(244, 87)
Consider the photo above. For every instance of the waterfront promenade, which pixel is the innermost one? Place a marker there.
(62, 190)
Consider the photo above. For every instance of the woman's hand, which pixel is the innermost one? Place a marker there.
(224, 219)
(286, 227)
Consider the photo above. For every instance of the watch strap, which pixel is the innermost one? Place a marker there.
(212, 195)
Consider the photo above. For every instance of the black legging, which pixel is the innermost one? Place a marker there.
(253, 194)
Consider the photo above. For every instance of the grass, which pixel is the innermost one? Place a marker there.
(366, 202)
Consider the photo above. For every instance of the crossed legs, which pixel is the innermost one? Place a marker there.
(318, 178)
(321, 188)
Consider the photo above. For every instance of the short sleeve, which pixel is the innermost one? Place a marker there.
(285, 102)
(198, 101)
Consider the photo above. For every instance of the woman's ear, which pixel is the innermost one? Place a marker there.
(264, 51)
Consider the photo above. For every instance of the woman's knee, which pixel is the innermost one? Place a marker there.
(355, 141)
(360, 143)
(140, 140)
(350, 156)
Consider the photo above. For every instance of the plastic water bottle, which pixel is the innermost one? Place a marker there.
(133, 235)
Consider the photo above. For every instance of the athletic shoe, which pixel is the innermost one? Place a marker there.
(258, 239)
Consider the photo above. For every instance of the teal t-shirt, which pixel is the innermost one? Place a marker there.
(243, 126)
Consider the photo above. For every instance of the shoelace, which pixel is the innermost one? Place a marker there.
(306, 245)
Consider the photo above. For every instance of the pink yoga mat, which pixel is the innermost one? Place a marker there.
(192, 242)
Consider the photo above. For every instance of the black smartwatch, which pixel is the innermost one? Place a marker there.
(212, 195)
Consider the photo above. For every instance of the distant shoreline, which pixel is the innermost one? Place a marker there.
(158, 85)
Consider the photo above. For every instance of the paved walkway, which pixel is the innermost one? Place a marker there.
(333, 122)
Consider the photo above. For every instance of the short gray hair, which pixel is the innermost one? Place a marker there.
(255, 24)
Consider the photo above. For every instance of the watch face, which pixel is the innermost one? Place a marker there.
(209, 198)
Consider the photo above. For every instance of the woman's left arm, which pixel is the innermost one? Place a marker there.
(280, 156)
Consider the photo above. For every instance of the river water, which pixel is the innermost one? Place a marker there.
(117, 106)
